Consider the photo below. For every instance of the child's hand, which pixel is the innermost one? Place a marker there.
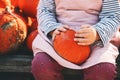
(116, 39)
(87, 35)
(58, 30)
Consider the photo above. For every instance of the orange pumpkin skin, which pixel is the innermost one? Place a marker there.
(14, 3)
(13, 31)
(67, 48)
(30, 39)
(4, 3)
(29, 7)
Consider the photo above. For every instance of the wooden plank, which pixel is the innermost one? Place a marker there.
(15, 63)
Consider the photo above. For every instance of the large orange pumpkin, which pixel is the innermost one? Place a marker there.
(30, 39)
(13, 31)
(67, 48)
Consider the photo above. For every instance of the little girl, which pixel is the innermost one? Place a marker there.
(96, 23)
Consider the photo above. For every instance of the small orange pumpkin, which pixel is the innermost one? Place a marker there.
(67, 48)
(30, 39)
(13, 31)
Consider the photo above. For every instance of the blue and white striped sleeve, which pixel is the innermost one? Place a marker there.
(46, 16)
(109, 20)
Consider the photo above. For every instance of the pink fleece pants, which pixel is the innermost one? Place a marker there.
(45, 68)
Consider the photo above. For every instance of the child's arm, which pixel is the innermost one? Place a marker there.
(109, 20)
(46, 16)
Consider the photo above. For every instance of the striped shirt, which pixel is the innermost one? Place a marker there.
(109, 18)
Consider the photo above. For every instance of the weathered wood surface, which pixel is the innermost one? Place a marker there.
(15, 63)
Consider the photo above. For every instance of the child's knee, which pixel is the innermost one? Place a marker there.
(44, 61)
(103, 71)
(45, 68)
(39, 60)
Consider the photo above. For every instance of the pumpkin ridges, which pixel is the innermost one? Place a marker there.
(10, 37)
(16, 19)
(7, 42)
(67, 48)
(22, 35)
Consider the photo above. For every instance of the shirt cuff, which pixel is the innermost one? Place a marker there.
(98, 43)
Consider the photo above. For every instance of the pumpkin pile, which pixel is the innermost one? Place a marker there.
(17, 22)
(13, 31)
(68, 49)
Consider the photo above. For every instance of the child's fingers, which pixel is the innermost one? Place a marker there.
(82, 41)
(58, 30)
(84, 35)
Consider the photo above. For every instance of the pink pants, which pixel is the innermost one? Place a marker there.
(45, 68)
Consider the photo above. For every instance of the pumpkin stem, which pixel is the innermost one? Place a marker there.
(8, 10)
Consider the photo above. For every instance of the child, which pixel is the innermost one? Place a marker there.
(96, 21)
